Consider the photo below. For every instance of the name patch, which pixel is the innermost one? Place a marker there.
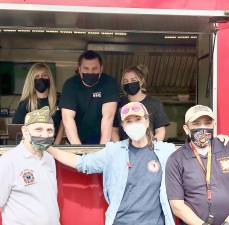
(224, 163)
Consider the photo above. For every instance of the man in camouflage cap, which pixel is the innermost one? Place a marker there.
(39, 116)
(28, 175)
(39, 129)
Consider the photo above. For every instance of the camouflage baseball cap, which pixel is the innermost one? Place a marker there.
(38, 116)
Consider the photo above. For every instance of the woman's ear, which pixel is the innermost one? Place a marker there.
(141, 82)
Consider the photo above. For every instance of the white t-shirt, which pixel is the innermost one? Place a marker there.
(28, 188)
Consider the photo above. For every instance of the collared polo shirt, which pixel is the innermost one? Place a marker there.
(185, 180)
(28, 193)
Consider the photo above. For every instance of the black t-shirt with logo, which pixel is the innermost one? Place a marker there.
(87, 103)
(157, 115)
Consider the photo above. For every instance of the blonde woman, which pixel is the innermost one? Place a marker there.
(39, 91)
(134, 85)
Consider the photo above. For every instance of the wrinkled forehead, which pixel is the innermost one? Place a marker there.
(35, 126)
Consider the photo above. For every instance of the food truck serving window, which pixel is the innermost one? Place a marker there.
(175, 45)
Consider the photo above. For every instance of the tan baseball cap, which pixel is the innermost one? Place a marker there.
(39, 116)
(197, 111)
(133, 109)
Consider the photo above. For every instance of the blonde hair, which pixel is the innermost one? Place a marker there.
(141, 72)
(29, 92)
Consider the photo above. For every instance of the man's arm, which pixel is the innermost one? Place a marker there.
(68, 117)
(223, 138)
(185, 213)
(60, 134)
(66, 158)
(108, 112)
(87, 163)
(160, 133)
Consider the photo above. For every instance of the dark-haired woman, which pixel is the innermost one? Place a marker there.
(134, 85)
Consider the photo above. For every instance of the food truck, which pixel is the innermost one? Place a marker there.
(184, 44)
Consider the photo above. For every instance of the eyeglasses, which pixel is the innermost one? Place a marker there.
(136, 107)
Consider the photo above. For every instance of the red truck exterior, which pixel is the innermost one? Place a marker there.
(80, 196)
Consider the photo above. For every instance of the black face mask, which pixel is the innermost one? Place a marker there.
(41, 84)
(201, 137)
(132, 88)
(90, 79)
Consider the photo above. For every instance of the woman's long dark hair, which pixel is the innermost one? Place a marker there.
(149, 135)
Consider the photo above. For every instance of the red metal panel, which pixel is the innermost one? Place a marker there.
(223, 80)
(80, 197)
(157, 4)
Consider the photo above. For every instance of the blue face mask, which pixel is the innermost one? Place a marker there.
(201, 137)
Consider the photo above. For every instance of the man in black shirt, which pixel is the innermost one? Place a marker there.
(88, 102)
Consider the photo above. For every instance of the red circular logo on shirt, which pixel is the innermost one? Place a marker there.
(28, 177)
(153, 166)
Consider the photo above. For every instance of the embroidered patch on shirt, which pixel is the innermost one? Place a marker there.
(224, 165)
(28, 177)
(153, 166)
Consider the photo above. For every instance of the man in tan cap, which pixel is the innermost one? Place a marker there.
(197, 174)
(28, 193)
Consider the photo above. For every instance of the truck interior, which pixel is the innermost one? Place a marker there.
(176, 49)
